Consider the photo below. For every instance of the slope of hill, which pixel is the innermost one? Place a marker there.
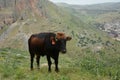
(101, 6)
(105, 16)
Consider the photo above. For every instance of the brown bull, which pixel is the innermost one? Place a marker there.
(49, 44)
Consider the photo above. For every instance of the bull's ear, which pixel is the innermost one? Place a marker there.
(68, 38)
(53, 42)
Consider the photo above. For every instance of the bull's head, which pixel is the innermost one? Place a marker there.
(61, 40)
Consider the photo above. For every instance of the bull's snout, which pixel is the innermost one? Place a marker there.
(64, 51)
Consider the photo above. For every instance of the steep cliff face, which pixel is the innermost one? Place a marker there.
(26, 7)
(13, 10)
(21, 8)
(19, 19)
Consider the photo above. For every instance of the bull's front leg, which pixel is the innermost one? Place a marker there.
(56, 62)
(56, 65)
(49, 63)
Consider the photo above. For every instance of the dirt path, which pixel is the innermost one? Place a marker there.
(8, 31)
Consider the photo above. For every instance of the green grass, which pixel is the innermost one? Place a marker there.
(74, 65)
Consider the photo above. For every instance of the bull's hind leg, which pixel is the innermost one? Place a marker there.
(37, 60)
(32, 59)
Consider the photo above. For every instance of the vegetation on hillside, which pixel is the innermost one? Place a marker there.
(105, 17)
(73, 65)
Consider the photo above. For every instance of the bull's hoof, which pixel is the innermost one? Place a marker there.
(57, 71)
(31, 69)
(38, 68)
(49, 71)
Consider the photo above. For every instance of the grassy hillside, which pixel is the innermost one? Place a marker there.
(97, 9)
(94, 11)
(73, 66)
(92, 54)
(105, 16)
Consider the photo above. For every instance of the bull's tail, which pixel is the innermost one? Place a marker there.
(29, 46)
(31, 54)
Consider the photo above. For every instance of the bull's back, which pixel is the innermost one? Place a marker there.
(38, 42)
